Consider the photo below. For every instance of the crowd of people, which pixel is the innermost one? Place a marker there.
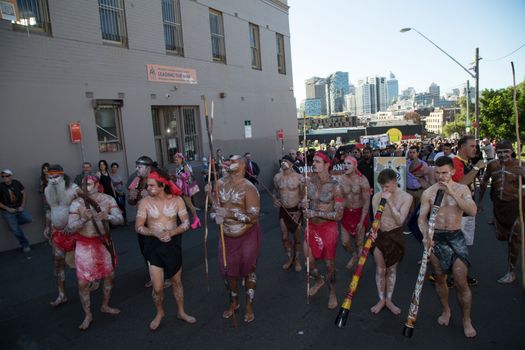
(322, 187)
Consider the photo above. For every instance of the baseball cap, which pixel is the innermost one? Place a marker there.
(7, 171)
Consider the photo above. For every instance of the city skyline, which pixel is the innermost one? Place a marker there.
(320, 49)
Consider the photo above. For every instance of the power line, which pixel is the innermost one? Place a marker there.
(497, 59)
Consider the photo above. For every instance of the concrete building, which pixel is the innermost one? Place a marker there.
(435, 121)
(337, 87)
(133, 74)
(371, 95)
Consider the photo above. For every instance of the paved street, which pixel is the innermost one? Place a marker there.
(283, 319)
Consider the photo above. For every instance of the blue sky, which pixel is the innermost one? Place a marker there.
(363, 38)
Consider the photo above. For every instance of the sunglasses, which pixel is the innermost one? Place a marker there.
(6, 175)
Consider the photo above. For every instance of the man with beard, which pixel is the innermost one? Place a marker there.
(238, 212)
(355, 219)
(288, 193)
(389, 246)
(94, 254)
(157, 216)
(60, 192)
(137, 191)
(449, 250)
(504, 192)
(323, 208)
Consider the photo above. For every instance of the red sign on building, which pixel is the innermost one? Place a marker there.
(75, 132)
(280, 134)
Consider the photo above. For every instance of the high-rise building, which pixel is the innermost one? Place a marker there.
(371, 95)
(350, 103)
(312, 107)
(408, 93)
(316, 89)
(434, 93)
(392, 89)
(337, 88)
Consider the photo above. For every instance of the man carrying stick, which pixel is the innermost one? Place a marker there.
(504, 192)
(324, 207)
(450, 253)
(238, 212)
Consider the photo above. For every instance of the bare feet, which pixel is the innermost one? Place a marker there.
(444, 319)
(61, 299)
(156, 321)
(229, 312)
(249, 317)
(87, 321)
(313, 290)
(109, 310)
(468, 329)
(508, 278)
(287, 264)
(390, 306)
(332, 301)
(351, 262)
(297, 265)
(186, 318)
(378, 307)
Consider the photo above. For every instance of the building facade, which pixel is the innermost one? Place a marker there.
(312, 107)
(132, 74)
(316, 89)
(435, 121)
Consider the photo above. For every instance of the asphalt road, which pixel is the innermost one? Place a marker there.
(283, 319)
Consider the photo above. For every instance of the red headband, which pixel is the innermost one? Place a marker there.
(354, 163)
(91, 177)
(173, 188)
(323, 156)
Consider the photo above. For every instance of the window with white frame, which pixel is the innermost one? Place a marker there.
(171, 19)
(113, 21)
(281, 58)
(33, 15)
(218, 47)
(107, 122)
(255, 46)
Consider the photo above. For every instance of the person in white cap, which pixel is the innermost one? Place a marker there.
(12, 207)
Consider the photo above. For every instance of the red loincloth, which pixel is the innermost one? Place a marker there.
(241, 252)
(64, 241)
(351, 218)
(322, 239)
(92, 259)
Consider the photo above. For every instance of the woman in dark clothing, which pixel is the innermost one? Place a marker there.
(105, 178)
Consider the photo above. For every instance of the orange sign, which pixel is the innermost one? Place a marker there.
(75, 132)
(170, 74)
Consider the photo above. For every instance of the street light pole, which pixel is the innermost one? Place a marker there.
(475, 75)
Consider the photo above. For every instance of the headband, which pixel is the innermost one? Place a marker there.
(55, 172)
(354, 163)
(323, 156)
(173, 188)
(179, 155)
(92, 177)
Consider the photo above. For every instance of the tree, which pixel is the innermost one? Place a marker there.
(496, 115)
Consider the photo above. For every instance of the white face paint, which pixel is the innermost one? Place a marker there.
(233, 167)
(55, 179)
(92, 186)
(142, 170)
(349, 167)
(285, 165)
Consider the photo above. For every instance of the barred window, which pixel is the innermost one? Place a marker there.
(113, 21)
(255, 46)
(107, 121)
(217, 36)
(172, 26)
(33, 15)
(281, 59)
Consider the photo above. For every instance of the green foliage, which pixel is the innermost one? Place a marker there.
(456, 126)
(496, 116)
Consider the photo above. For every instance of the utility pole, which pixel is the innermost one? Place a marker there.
(476, 107)
(467, 100)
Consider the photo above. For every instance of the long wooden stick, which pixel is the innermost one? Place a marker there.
(414, 304)
(342, 316)
(305, 216)
(520, 190)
